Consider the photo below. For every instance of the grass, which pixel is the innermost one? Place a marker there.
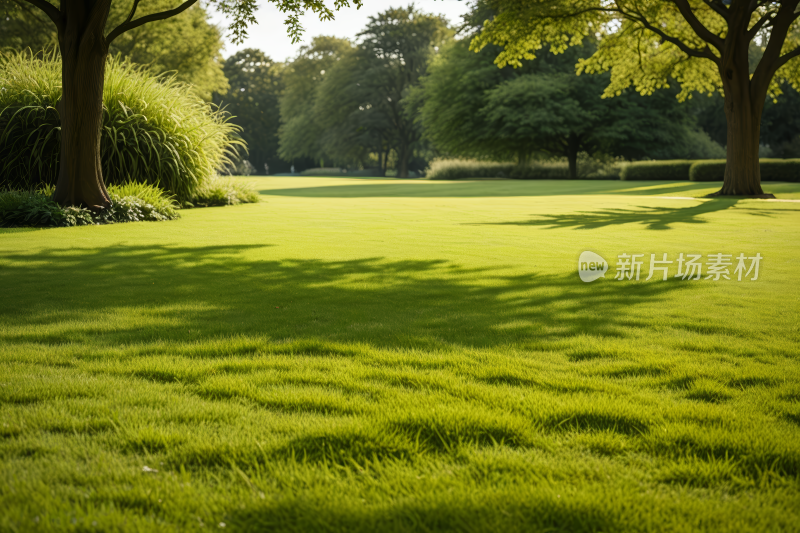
(381, 355)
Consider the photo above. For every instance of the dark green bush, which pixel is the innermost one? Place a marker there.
(780, 170)
(677, 169)
(154, 129)
(708, 170)
(771, 170)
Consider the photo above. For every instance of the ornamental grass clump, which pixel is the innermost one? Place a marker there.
(154, 129)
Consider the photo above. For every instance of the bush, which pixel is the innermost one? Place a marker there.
(780, 170)
(154, 130)
(456, 169)
(129, 203)
(709, 170)
(656, 170)
(323, 172)
(771, 170)
(223, 191)
(558, 169)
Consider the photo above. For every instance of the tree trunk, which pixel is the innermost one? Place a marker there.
(742, 170)
(83, 54)
(573, 144)
(403, 153)
(744, 103)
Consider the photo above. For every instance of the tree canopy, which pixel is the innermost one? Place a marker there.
(704, 45)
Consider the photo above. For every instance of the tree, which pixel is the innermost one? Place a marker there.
(84, 46)
(645, 43)
(188, 45)
(398, 45)
(343, 103)
(301, 131)
(256, 83)
(472, 108)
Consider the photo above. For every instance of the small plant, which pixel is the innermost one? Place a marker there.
(223, 191)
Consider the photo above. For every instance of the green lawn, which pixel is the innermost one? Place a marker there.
(383, 355)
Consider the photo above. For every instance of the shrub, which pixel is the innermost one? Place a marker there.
(129, 203)
(223, 191)
(456, 169)
(771, 170)
(557, 169)
(780, 170)
(656, 170)
(709, 170)
(154, 129)
(323, 172)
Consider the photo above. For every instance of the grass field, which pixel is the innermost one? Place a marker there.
(381, 355)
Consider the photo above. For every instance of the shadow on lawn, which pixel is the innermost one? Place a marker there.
(148, 294)
(657, 218)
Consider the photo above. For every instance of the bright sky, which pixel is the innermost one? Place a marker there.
(270, 33)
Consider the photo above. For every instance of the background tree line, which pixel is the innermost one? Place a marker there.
(409, 89)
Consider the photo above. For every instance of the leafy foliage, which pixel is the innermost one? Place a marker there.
(187, 46)
(154, 130)
(223, 191)
(646, 43)
(130, 203)
(345, 103)
(300, 131)
(256, 84)
(473, 108)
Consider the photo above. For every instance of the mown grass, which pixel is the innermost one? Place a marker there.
(374, 355)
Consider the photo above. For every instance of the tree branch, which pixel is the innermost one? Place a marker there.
(131, 24)
(768, 16)
(686, 49)
(701, 31)
(719, 7)
(51, 11)
(785, 58)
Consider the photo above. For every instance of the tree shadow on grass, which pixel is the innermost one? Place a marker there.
(656, 218)
(146, 295)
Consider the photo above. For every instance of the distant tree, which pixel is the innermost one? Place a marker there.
(188, 45)
(706, 44)
(256, 84)
(300, 133)
(397, 46)
(343, 103)
(84, 46)
(472, 108)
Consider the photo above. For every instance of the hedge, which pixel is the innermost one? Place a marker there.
(677, 169)
(708, 170)
(780, 170)
(771, 170)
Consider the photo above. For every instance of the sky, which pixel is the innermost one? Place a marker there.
(270, 33)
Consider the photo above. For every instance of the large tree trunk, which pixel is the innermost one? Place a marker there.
(742, 170)
(744, 103)
(83, 54)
